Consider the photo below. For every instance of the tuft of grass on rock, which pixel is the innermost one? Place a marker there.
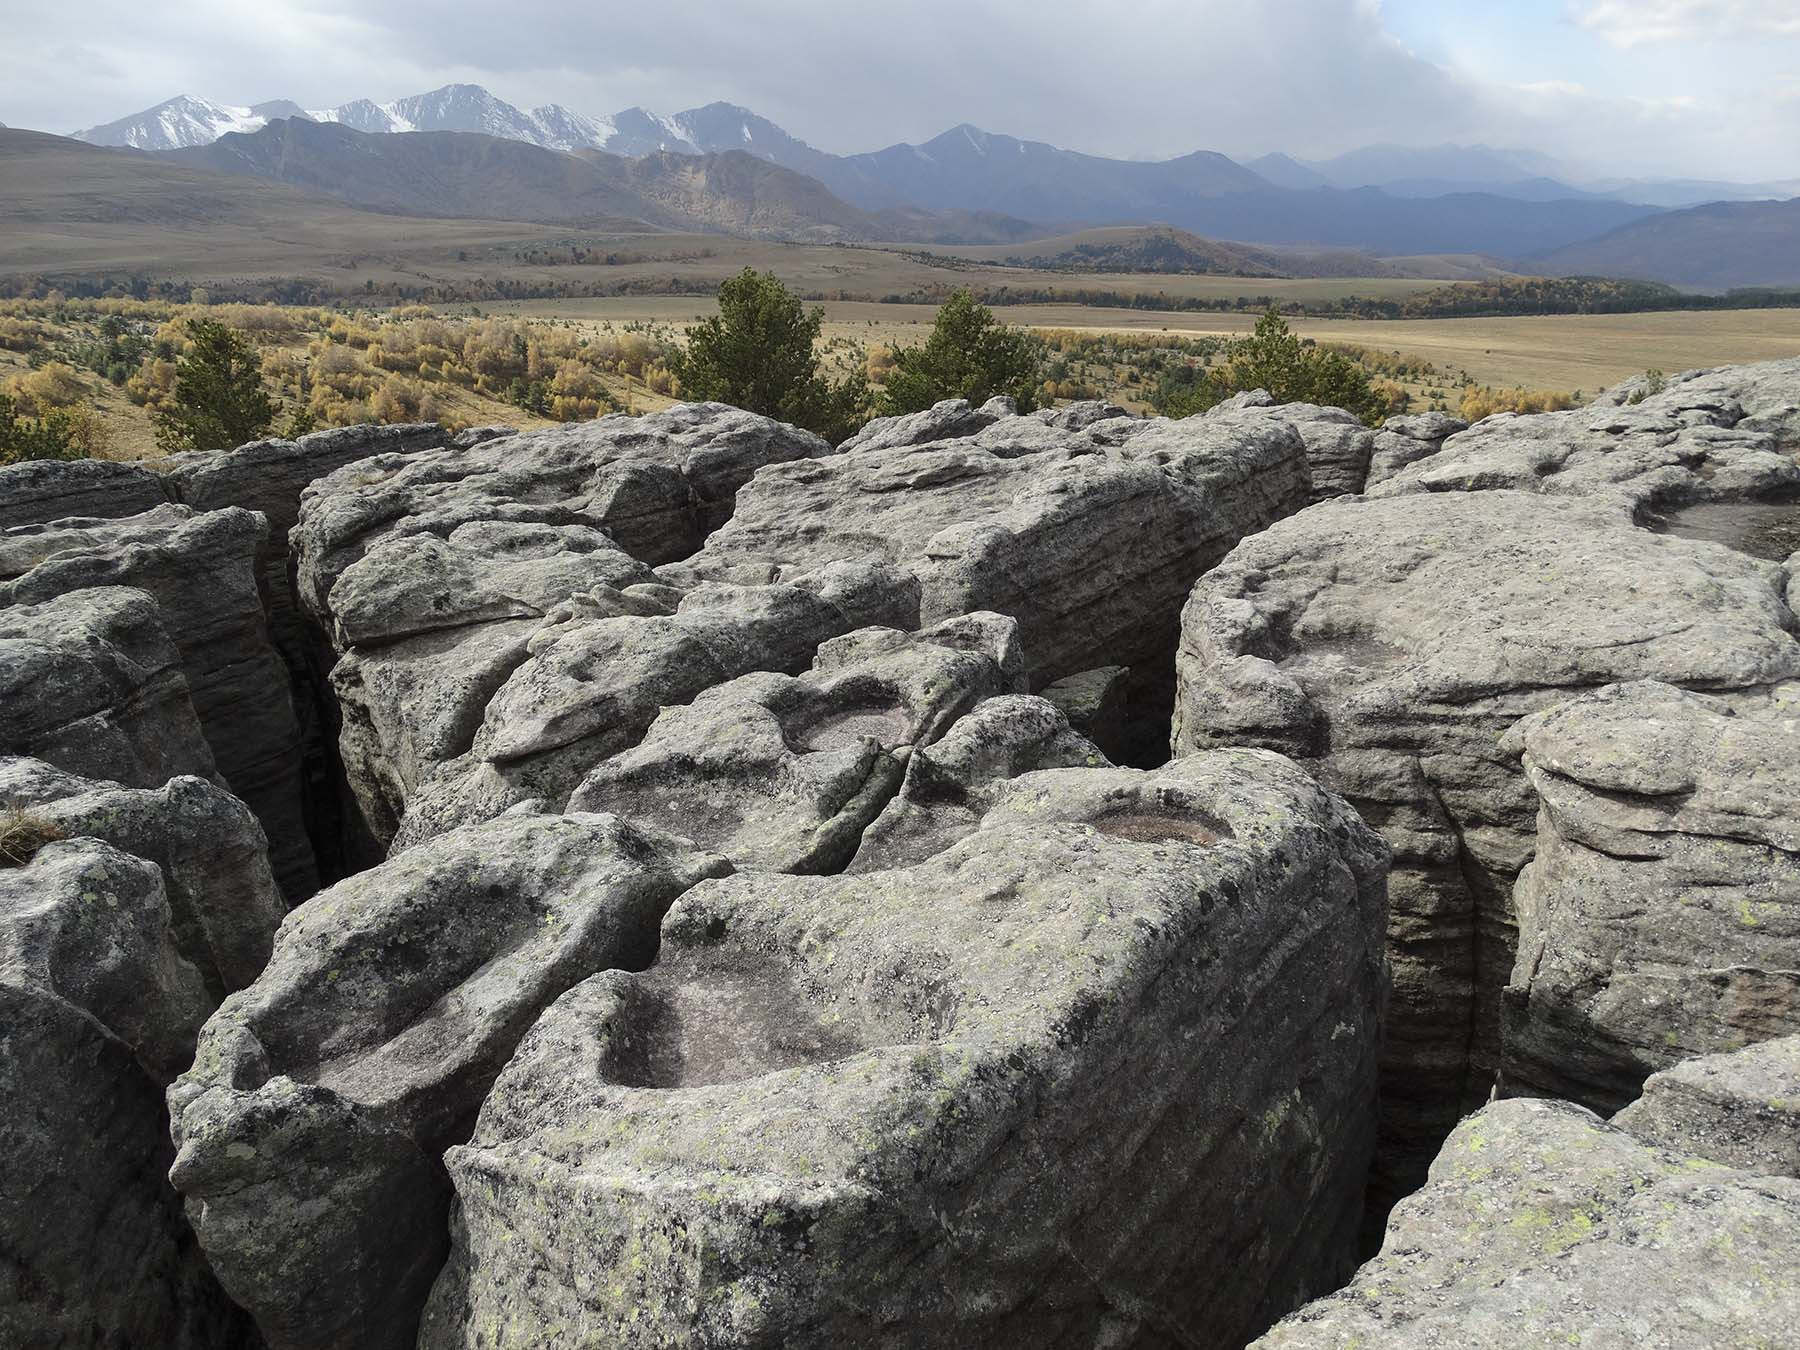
(22, 833)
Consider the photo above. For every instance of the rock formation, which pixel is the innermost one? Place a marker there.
(201, 570)
(1390, 645)
(1725, 436)
(1740, 1108)
(1088, 534)
(99, 1011)
(1660, 918)
(91, 683)
(1406, 440)
(1542, 1225)
(784, 774)
(223, 902)
(310, 1125)
(39, 491)
(825, 1117)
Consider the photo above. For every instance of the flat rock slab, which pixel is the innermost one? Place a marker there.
(1660, 918)
(1542, 1225)
(1065, 1083)
(91, 683)
(1390, 645)
(224, 904)
(1741, 1108)
(310, 1125)
(202, 572)
(781, 773)
(99, 1011)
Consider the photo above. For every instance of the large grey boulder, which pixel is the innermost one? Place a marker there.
(657, 484)
(1741, 1108)
(951, 786)
(1339, 444)
(1660, 918)
(98, 1012)
(42, 490)
(950, 420)
(1407, 440)
(1390, 645)
(1764, 396)
(1094, 701)
(310, 1126)
(1090, 538)
(1039, 1090)
(91, 683)
(223, 901)
(201, 569)
(1726, 438)
(1543, 1226)
(784, 773)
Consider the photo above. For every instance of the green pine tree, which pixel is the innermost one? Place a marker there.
(220, 402)
(970, 354)
(759, 354)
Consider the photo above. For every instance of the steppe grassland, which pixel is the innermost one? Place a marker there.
(1574, 352)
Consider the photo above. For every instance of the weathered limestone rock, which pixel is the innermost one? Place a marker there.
(223, 902)
(310, 1126)
(90, 683)
(1338, 444)
(657, 484)
(1765, 396)
(42, 490)
(201, 570)
(1543, 1226)
(1090, 544)
(826, 1116)
(98, 1012)
(951, 420)
(1390, 645)
(1407, 440)
(1661, 917)
(1094, 702)
(1741, 1109)
(951, 786)
(783, 774)
(1698, 442)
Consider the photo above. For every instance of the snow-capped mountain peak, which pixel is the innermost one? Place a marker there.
(176, 124)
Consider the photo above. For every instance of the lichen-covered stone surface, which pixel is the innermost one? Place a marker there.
(97, 1012)
(1660, 918)
(784, 774)
(950, 786)
(1391, 645)
(91, 683)
(41, 490)
(202, 572)
(1741, 1108)
(224, 905)
(310, 1126)
(1101, 1073)
(1543, 1226)
(1089, 534)
(1709, 436)
(1406, 440)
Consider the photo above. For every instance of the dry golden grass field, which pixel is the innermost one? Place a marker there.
(1564, 353)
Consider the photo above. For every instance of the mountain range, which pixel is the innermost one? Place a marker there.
(905, 173)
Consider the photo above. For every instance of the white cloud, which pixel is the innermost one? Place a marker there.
(1636, 23)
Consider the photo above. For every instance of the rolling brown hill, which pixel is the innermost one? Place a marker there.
(1715, 247)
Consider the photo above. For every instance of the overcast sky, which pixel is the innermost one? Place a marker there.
(1707, 88)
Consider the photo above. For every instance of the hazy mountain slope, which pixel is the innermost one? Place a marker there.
(1714, 247)
(467, 175)
(1151, 249)
(1285, 171)
(433, 173)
